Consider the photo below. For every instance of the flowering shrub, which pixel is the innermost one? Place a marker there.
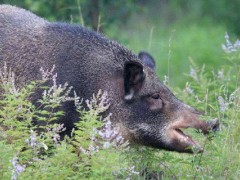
(36, 149)
(229, 47)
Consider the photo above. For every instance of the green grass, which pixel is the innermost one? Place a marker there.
(173, 44)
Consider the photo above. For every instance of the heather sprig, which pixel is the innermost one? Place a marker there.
(229, 47)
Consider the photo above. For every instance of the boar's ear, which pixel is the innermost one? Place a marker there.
(147, 59)
(133, 78)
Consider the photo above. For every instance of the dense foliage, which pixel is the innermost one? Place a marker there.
(95, 14)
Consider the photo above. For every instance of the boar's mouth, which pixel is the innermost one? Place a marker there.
(184, 143)
(181, 142)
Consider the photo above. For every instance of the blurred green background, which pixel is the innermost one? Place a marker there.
(173, 31)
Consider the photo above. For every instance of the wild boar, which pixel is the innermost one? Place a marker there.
(148, 112)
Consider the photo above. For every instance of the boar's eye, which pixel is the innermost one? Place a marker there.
(155, 102)
(156, 96)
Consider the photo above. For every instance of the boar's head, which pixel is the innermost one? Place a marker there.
(155, 115)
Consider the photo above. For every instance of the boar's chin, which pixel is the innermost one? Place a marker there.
(179, 141)
(172, 138)
(183, 143)
(175, 140)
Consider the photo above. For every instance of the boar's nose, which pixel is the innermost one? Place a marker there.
(214, 125)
